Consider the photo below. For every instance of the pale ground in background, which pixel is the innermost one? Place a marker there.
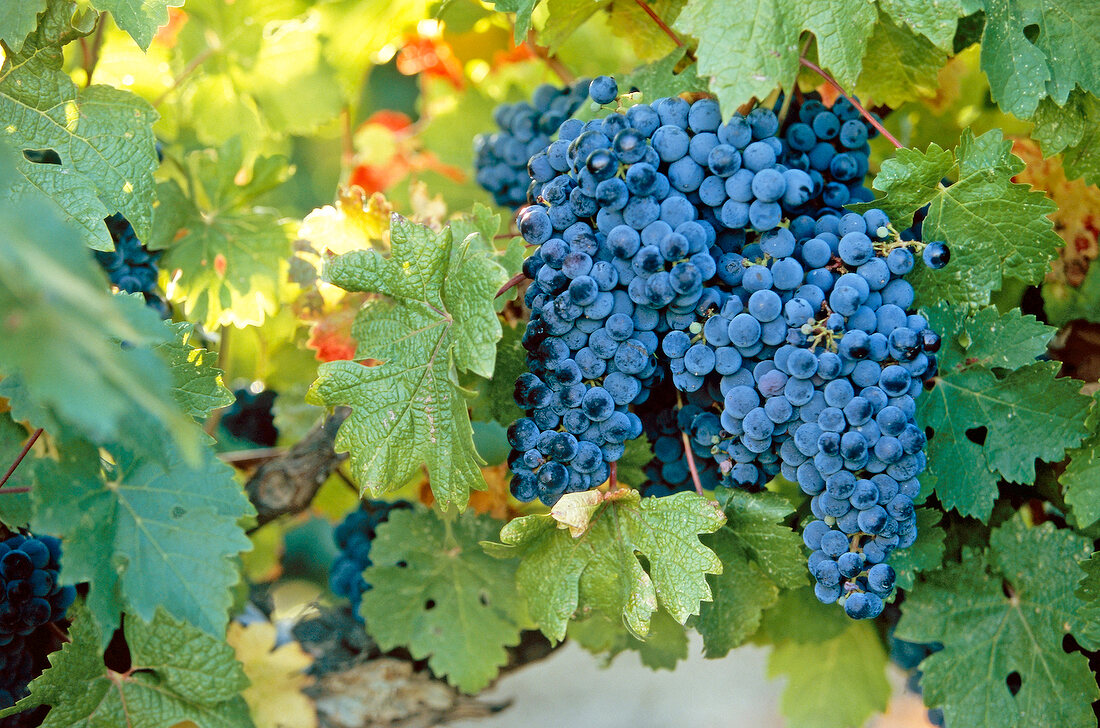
(570, 689)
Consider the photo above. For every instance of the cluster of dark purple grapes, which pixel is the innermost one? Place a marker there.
(131, 267)
(250, 417)
(525, 130)
(30, 599)
(353, 537)
(706, 265)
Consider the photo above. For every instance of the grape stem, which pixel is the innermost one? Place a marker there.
(613, 481)
(660, 23)
(691, 464)
(512, 283)
(18, 459)
(859, 107)
(550, 60)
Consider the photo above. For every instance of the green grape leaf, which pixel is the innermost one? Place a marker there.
(987, 337)
(437, 593)
(1081, 478)
(664, 646)
(226, 259)
(563, 17)
(1034, 49)
(144, 534)
(629, 21)
(480, 222)
(196, 383)
(660, 78)
(17, 20)
(1006, 613)
(935, 21)
(61, 359)
(902, 67)
(759, 556)
(854, 658)
(1005, 340)
(523, 10)
(437, 316)
(180, 675)
(1028, 414)
(1073, 130)
(599, 569)
(15, 508)
(766, 36)
(103, 135)
(799, 617)
(1088, 591)
(630, 468)
(995, 227)
(139, 18)
(924, 555)
(495, 401)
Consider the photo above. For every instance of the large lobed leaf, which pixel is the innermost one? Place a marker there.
(1072, 130)
(759, 556)
(1038, 49)
(103, 135)
(1029, 413)
(145, 534)
(765, 34)
(818, 648)
(437, 593)
(197, 385)
(1002, 613)
(599, 569)
(179, 674)
(995, 228)
(1081, 478)
(139, 18)
(436, 317)
(62, 359)
(17, 20)
(226, 256)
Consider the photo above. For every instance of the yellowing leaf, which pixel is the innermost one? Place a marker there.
(277, 674)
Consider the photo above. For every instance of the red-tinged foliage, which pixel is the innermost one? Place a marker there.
(408, 158)
(430, 57)
(167, 34)
(330, 336)
(518, 54)
(1077, 219)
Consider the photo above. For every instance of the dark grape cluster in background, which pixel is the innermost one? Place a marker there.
(525, 130)
(353, 537)
(250, 417)
(30, 599)
(131, 267)
(699, 276)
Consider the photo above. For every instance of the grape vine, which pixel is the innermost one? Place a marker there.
(356, 359)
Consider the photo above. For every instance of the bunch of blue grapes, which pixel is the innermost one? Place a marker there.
(251, 417)
(132, 267)
(501, 158)
(670, 469)
(820, 363)
(353, 537)
(30, 599)
(677, 253)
